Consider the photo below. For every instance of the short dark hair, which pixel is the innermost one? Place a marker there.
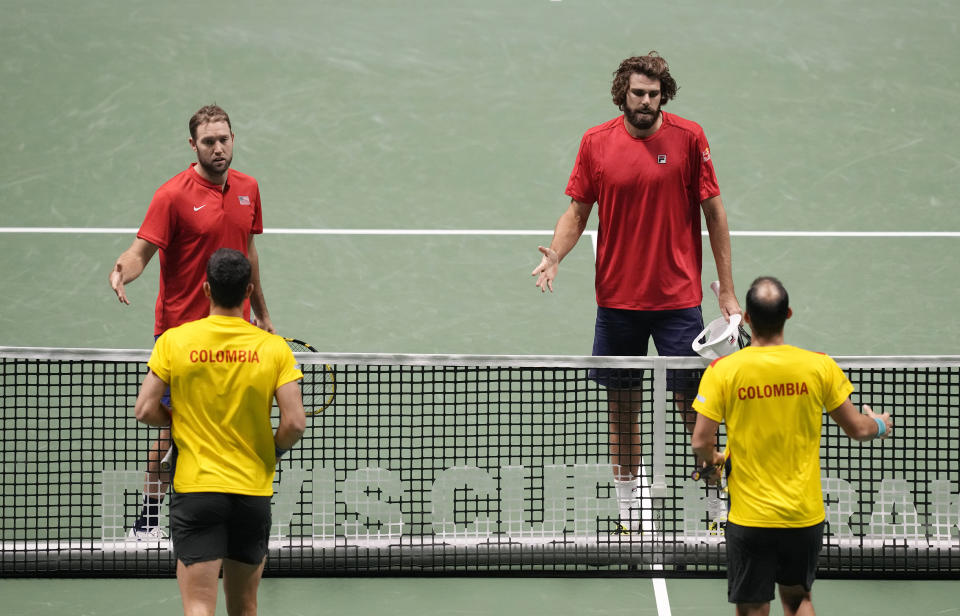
(653, 66)
(208, 113)
(767, 306)
(228, 273)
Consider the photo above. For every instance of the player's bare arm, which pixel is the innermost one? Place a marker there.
(704, 442)
(565, 236)
(716, 218)
(257, 301)
(861, 426)
(149, 408)
(293, 419)
(130, 264)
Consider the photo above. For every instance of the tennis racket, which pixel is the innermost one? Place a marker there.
(717, 473)
(319, 386)
(317, 393)
(743, 338)
(716, 478)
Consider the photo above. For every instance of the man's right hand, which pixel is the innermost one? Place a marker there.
(884, 417)
(116, 283)
(547, 270)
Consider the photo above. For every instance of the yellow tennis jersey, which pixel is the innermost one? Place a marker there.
(772, 399)
(223, 372)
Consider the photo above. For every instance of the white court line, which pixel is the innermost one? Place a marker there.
(663, 599)
(504, 232)
(843, 233)
(659, 584)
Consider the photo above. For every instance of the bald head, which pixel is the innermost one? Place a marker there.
(768, 306)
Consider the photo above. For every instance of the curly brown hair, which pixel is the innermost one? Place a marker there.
(653, 66)
(208, 113)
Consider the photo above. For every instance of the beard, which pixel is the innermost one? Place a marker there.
(640, 120)
(215, 169)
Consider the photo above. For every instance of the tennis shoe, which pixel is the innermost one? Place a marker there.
(717, 527)
(630, 522)
(144, 533)
(628, 527)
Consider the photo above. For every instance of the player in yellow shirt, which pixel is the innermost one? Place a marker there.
(224, 374)
(772, 396)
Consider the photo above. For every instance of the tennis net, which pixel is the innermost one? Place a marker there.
(466, 465)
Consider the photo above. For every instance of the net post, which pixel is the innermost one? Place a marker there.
(658, 487)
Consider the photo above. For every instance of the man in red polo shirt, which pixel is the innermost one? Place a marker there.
(206, 207)
(651, 174)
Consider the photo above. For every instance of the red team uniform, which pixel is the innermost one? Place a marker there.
(649, 191)
(189, 219)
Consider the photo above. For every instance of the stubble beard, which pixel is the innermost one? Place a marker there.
(213, 170)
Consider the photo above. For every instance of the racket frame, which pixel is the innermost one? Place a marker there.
(328, 372)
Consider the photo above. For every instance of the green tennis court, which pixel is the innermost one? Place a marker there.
(411, 156)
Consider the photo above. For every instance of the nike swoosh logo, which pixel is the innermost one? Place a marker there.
(197, 209)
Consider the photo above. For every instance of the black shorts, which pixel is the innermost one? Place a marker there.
(628, 332)
(760, 558)
(207, 526)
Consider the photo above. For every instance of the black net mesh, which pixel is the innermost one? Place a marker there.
(468, 465)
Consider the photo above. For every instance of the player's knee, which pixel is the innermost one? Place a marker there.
(793, 596)
(242, 606)
(753, 609)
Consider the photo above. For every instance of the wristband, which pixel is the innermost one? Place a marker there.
(881, 426)
(279, 452)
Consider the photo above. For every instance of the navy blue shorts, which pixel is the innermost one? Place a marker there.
(208, 526)
(760, 558)
(628, 332)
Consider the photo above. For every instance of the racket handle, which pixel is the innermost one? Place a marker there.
(706, 473)
(167, 462)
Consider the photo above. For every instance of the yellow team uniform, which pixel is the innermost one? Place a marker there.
(772, 399)
(223, 372)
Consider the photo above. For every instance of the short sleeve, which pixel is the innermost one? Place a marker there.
(288, 368)
(158, 224)
(159, 362)
(256, 227)
(708, 185)
(837, 387)
(710, 400)
(581, 185)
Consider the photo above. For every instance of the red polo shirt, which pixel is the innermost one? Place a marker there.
(189, 219)
(649, 250)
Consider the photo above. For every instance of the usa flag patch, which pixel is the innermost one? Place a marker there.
(244, 200)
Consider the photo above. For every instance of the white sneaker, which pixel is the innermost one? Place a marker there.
(717, 514)
(147, 534)
(631, 518)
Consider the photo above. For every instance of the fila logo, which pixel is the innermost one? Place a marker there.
(661, 159)
(244, 200)
(197, 209)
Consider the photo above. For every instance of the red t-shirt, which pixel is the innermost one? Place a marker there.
(189, 219)
(649, 251)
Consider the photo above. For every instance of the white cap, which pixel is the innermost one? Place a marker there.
(719, 338)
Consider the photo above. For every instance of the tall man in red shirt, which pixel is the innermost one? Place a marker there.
(651, 174)
(206, 207)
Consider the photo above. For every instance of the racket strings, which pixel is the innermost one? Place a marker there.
(298, 346)
(318, 387)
